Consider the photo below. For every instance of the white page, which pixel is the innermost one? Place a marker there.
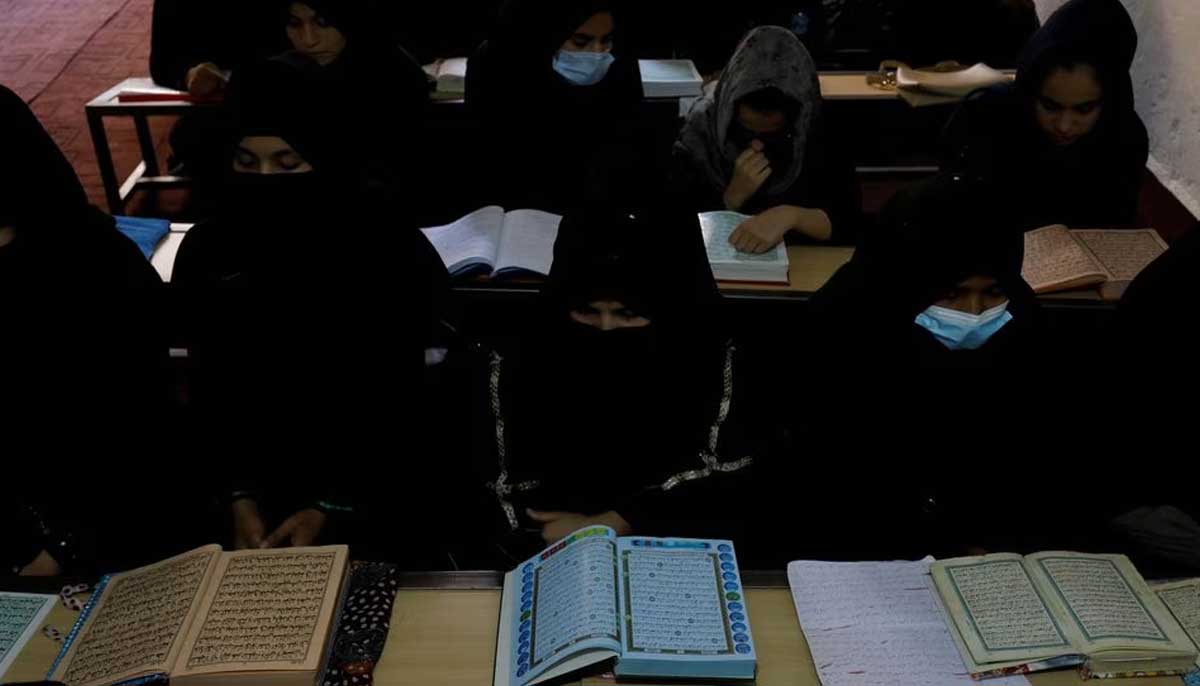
(670, 78)
(527, 241)
(21, 615)
(453, 69)
(474, 239)
(877, 623)
(670, 71)
(1183, 599)
(163, 259)
(954, 83)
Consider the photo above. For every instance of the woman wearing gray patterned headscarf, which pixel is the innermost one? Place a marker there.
(757, 145)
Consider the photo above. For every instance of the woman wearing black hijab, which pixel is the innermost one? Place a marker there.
(551, 89)
(1154, 351)
(625, 404)
(760, 145)
(301, 377)
(84, 393)
(929, 340)
(1063, 145)
(345, 48)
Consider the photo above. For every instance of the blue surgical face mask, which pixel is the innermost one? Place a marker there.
(961, 330)
(583, 68)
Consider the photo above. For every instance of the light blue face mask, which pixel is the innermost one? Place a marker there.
(583, 68)
(961, 330)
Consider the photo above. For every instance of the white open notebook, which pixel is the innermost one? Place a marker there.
(877, 623)
(728, 264)
(496, 242)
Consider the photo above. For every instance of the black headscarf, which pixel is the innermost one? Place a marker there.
(377, 97)
(533, 122)
(286, 290)
(228, 33)
(886, 387)
(82, 352)
(626, 406)
(61, 239)
(275, 99)
(36, 180)
(530, 32)
(372, 58)
(932, 237)
(1095, 181)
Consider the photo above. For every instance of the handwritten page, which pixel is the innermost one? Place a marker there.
(1183, 600)
(1100, 598)
(21, 615)
(877, 623)
(266, 611)
(474, 239)
(137, 625)
(527, 241)
(1004, 607)
(1124, 253)
(1054, 260)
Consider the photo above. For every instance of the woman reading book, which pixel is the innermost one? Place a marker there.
(1064, 141)
(759, 145)
(625, 404)
(346, 48)
(294, 356)
(930, 337)
(551, 89)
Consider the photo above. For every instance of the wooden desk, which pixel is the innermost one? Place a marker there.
(811, 268)
(147, 174)
(448, 637)
(444, 632)
(852, 86)
(845, 88)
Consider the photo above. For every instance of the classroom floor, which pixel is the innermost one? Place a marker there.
(59, 54)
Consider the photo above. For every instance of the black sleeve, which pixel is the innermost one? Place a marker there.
(688, 189)
(836, 190)
(185, 33)
(1128, 178)
(682, 502)
(172, 50)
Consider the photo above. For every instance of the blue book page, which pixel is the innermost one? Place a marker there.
(565, 603)
(682, 600)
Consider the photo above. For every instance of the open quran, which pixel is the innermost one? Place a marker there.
(669, 608)
(1012, 614)
(208, 617)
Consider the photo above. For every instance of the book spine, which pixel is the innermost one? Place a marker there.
(83, 617)
(1031, 667)
(148, 679)
(1086, 672)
